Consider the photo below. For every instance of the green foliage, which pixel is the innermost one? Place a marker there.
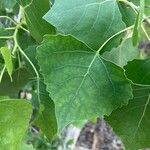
(86, 67)
(46, 120)
(131, 122)
(138, 71)
(87, 20)
(7, 59)
(123, 53)
(72, 68)
(13, 123)
(138, 23)
(9, 4)
(34, 11)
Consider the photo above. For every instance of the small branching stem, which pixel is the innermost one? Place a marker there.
(17, 47)
(136, 10)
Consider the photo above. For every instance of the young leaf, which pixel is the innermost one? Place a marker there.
(124, 53)
(14, 119)
(139, 71)
(138, 23)
(6, 53)
(131, 122)
(82, 84)
(92, 22)
(34, 11)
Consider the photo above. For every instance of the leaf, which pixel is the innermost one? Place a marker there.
(124, 53)
(131, 122)
(26, 147)
(31, 53)
(92, 22)
(3, 32)
(20, 78)
(138, 23)
(6, 53)
(139, 71)
(13, 124)
(34, 11)
(76, 76)
(47, 120)
(128, 15)
(24, 36)
(9, 4)
(147, 5)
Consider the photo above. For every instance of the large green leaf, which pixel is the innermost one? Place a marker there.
(34, 11)
(124, 53)
(139, 71)
(46, 120)
(79, 80)
(92, 22)
(14, 119)
(131, 122)
(20, 78)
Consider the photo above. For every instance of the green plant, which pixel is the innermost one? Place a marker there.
(74, 60)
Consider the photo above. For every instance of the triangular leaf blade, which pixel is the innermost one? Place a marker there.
(76, 76)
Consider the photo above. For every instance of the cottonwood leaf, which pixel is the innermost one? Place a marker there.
(14, 119)
(3, 32)
(92, 22)
(128, 15)
(124, 53)
(6, 53)
(7, 4)
(82, 84)
(34, 11)
(131, 122)
(46, 120)
(31, 53)
(139, 71)
(20, 78)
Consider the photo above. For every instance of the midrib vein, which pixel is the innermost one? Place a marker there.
(85, 75)
(143, 114)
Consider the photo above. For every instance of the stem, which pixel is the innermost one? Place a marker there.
(24, 29)
(2, 72)
(145, 32)
(122, 31)
(15, 40)
(10, 28)
(6, 37)
(135, 9)
(36, 72)
(7, 17)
